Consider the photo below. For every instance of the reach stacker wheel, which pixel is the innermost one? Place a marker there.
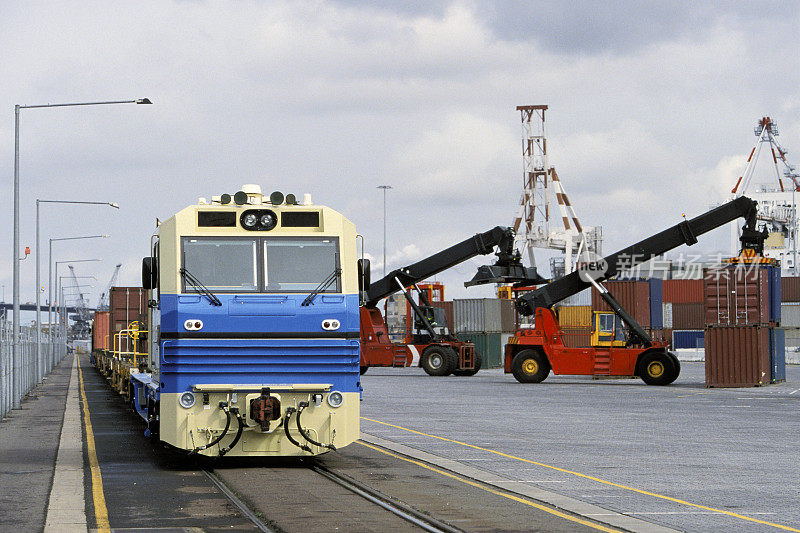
(478, 364)
(658, 368)
(438, 360)
(530, 366)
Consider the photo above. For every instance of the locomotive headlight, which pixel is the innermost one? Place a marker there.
(249, 220)
(335, 399)
(268, 220)
(187, 400)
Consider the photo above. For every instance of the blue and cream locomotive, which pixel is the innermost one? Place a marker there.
(254, 328)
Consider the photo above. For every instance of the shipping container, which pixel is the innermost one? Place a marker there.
(490, 315)
(688, 316)
(792, 336)
(683, 291)
(490, 346)
(688, 339)
(737, 356)
(790, 314)
(127, 305)
(633, 296)
(582, 298)
(774, 294)
(574, 315)
(577, 337)
(736, 296)
(656, 303)
(777, 355)
(667, 315)
(790, 289)
(101, 331)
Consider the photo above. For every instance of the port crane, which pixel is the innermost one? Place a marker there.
(103, 302)
(533, 352)
(81, 328)
(436, 349)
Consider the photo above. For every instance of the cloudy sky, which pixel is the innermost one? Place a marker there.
(652, 107)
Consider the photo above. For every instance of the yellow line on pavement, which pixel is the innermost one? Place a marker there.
(586, 476)
(496, 492)
(100, 509)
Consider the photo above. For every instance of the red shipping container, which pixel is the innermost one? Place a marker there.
(127, 305)
(633, 296)
(101, 339)
(790, 289)
(736, 296)
(683, 291)
(688, 315)
(737, 356)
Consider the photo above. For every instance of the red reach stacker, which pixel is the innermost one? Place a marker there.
(435, 348)
(533, 352)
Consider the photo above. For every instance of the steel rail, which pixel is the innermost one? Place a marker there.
(395, 507)
(235, 500)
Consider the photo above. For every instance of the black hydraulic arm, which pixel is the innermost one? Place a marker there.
(684, 233)
(507, 268)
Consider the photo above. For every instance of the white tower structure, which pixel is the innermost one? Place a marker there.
(540, 185)
(777, 202)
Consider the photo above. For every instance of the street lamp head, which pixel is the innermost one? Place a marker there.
(105, 236)
(115, 205)
(143, 101)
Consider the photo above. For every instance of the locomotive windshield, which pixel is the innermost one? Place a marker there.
(261, 264)
(300, 264)
(221, 264)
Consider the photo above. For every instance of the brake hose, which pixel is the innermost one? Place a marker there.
(230, 446)
(289, 411)
(224, 407)
(303, 405)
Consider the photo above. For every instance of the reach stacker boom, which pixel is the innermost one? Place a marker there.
(533, 352)
(436, 350)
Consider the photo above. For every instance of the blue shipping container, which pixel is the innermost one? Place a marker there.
(656, 303)
(777, 354)
(775, 294)
(688, 338)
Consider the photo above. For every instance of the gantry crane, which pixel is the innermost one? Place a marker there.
(81, 328)
(102, 303)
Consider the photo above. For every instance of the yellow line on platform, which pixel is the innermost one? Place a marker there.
(586, 476)
(493, 491)
(100, 509)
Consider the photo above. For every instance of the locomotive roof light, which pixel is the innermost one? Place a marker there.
(276, 198)
(335, 399)
(240, 198)
(187, 400)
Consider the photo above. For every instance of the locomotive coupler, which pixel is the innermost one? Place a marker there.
(264, 409)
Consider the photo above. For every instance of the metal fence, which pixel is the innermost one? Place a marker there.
(17, 378)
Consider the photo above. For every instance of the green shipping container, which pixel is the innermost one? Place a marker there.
(489, 345)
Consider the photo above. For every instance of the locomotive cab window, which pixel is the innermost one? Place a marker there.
(220, 264)
(301, 265)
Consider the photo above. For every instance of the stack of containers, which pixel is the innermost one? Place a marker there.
(395, 316)
(684, 312)
(574, 315)
(742, 310)
(633, 296)
(486, 322)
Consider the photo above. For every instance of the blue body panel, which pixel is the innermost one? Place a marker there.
(294, 347)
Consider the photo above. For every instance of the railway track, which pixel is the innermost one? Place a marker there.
(409, 514)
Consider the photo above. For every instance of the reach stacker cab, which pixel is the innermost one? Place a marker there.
(434, 347)
(534, 351)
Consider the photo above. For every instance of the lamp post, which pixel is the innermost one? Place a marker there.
(385, 188)
(50, 271)
(38, 276)
(58, 282)
(16, 356)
